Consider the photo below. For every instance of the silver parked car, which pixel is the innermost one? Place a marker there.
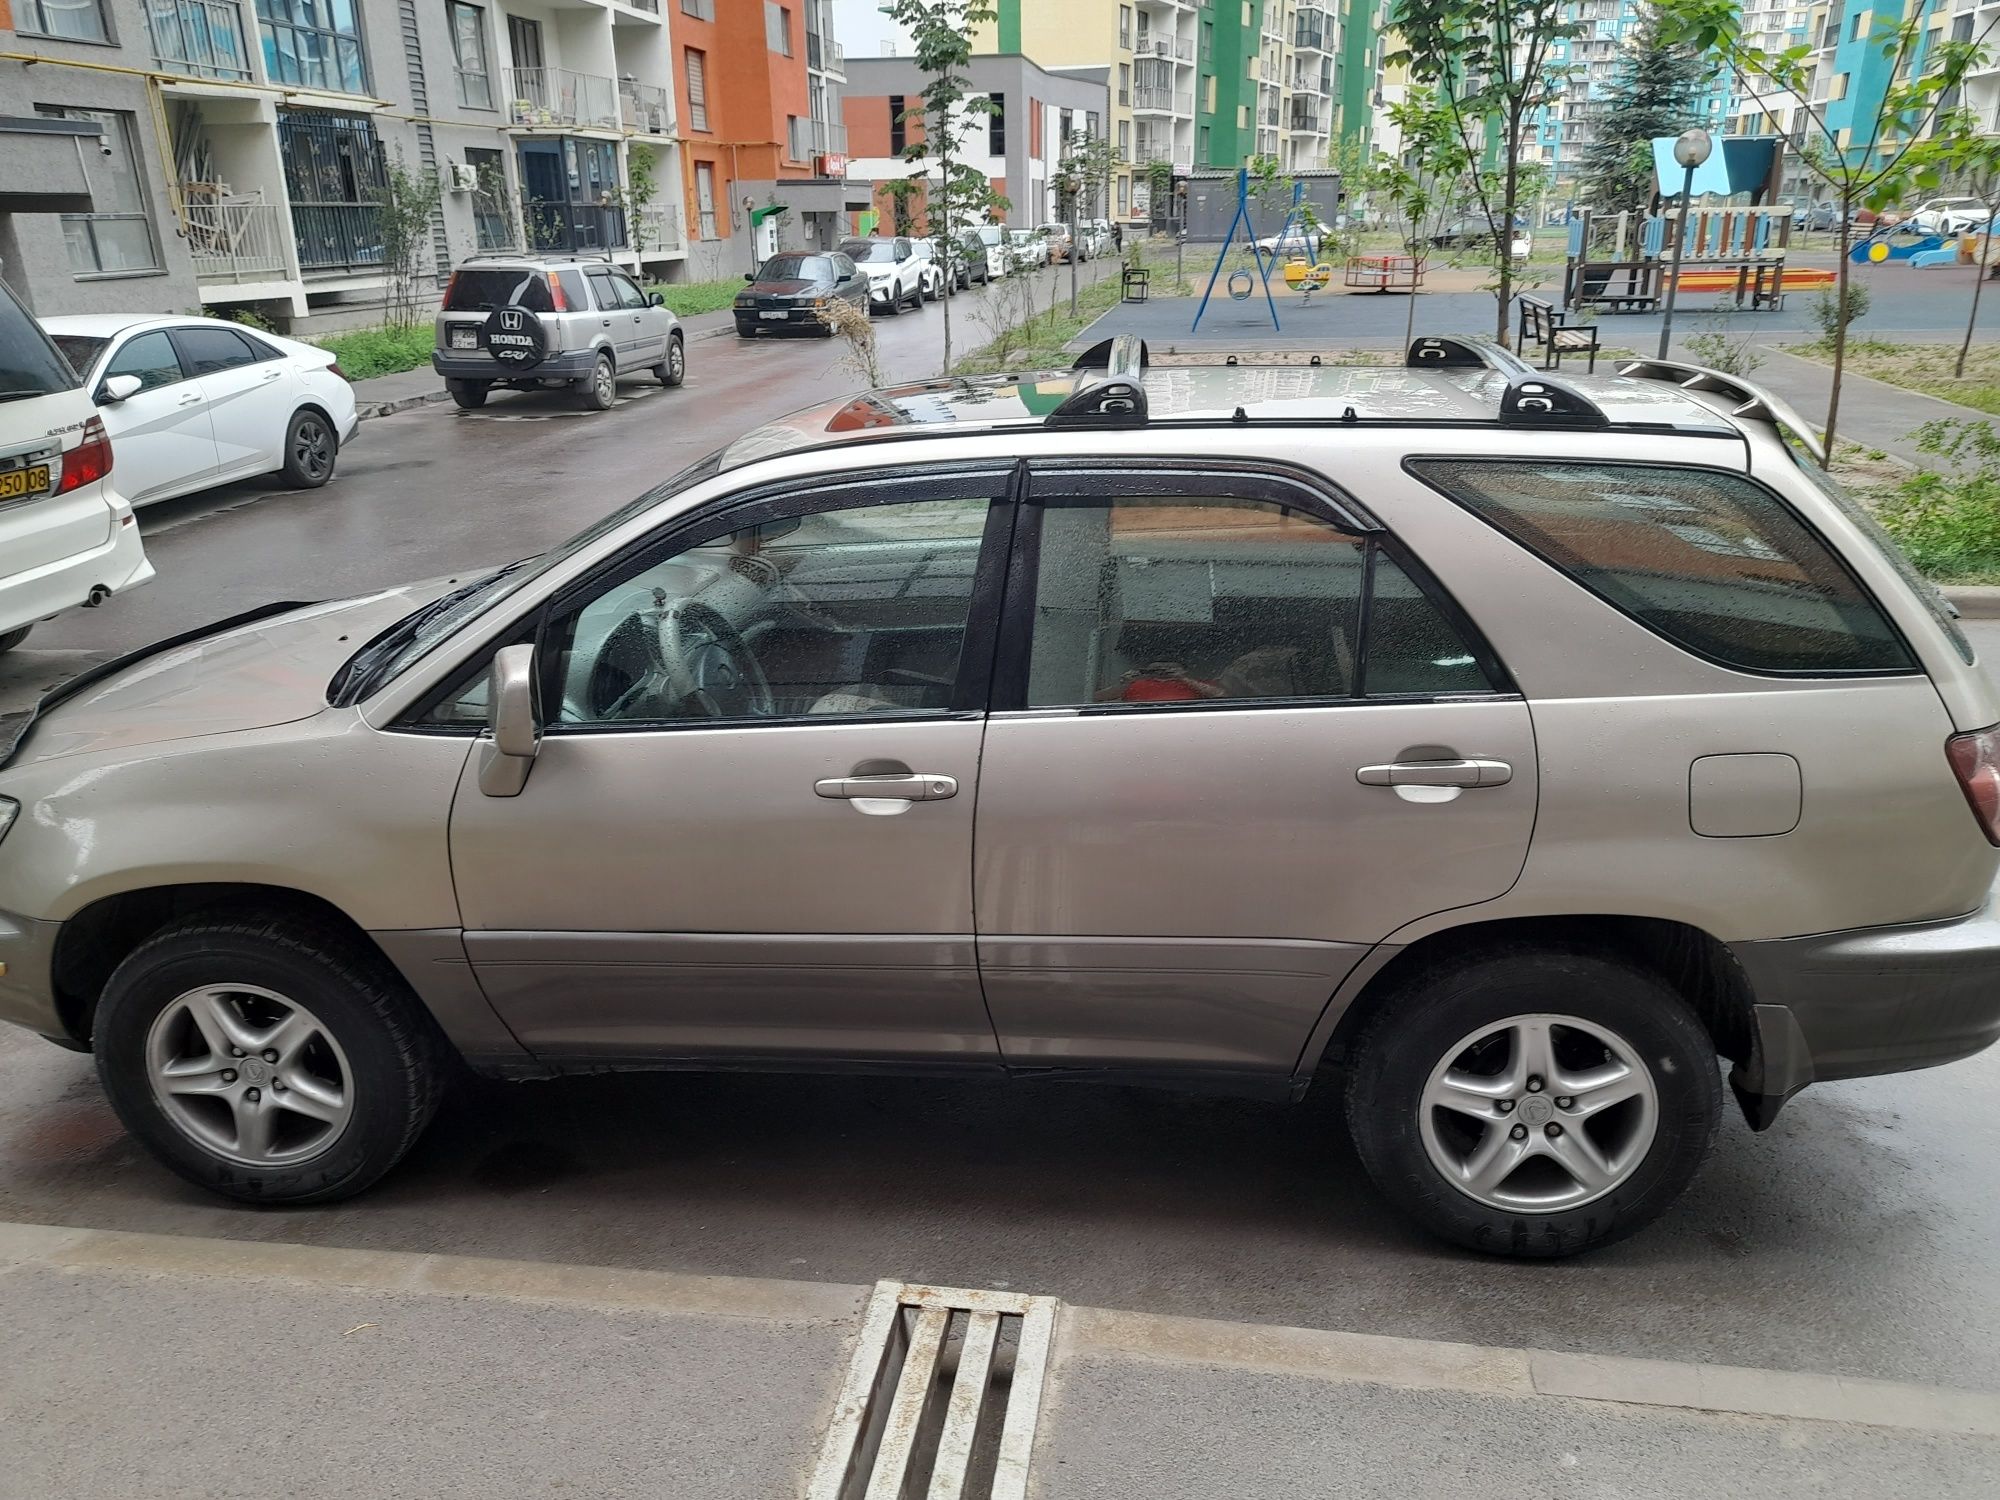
(1519, 746)
(576, 320)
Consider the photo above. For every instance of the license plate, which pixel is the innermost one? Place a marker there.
(465, 338)
(16, 484)
(775, 317)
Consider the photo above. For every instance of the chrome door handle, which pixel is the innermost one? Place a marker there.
(1437, 773)
(193, 398)
(913, 786)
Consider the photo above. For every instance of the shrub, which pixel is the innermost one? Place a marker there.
(1948, 518)
(1723, 350)
(1825, 309)
(380, 351)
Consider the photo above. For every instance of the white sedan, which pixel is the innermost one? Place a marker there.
(194, 402)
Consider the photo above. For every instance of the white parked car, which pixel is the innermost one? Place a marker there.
(895, 275)
(1026, 248)
(930, 267)
(999, 256)
(66, 536)
(214, 401)
(1948, 216)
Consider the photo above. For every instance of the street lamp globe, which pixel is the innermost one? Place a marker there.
(1693, 148)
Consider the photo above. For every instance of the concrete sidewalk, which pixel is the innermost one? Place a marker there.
(1873, 413)
(153, 1365)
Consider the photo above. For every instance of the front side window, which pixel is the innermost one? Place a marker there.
(629, 294)
(1186, 598)
(857, 610)
(151, 357)
(602, 289)
(1712, 561)
(72, 20)
(116, 236)
(315, 43)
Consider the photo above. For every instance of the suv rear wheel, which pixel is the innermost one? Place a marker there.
(469, 394)
(599, 388)
(9, 639)
(1534, 1102)
(271, 1060)
(673, 369)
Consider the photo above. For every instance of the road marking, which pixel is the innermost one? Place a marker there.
(1066, 1334)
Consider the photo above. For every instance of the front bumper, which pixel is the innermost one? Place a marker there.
(1865, 1001)
(751, 319)
(477, 364)
(27, 987)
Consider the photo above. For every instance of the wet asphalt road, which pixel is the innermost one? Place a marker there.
(1860, 1236)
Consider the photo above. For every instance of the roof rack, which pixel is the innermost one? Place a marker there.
(1751, 402)
(1109, 393)
(1531, 398)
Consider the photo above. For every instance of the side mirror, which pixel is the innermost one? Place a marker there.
(749, 275)
(117, 388)
(513, 719)
(657, 300)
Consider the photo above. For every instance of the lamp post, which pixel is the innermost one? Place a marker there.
(1691, 150)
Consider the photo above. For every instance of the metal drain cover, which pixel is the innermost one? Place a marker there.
(941, 1400)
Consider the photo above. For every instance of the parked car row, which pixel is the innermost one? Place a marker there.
(104, 412)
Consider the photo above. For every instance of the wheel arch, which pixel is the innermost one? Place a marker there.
(1695, 963)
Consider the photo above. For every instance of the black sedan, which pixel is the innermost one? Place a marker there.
(788, 290)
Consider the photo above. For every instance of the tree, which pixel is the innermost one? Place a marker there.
(959, 195)
(1974, 161)
(404, 209)
(1082, 171)
(1654, 95)
(1490, 64)
(1424, 183)
(1887, 154)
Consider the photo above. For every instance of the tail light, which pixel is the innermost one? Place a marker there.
(89, 461)
(557, 301)
(450, 286)
(335, 370)
(1975, 760)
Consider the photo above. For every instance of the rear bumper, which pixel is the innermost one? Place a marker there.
(1866, 1001)
(118, 563)
(474, 364)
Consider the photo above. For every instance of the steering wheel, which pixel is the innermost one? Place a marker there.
(693, 655)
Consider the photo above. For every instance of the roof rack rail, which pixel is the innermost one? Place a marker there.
(1751, 402)
(1531, 398)
(1110, 394)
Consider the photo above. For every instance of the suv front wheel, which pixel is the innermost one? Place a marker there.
(1534, 1102)
(272, 1060)
(599, 388)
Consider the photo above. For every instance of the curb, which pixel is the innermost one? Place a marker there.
(1975, 602)
(367, 409)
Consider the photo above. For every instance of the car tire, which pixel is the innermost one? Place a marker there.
(1594, 1008)
(9, 639)
(311, 449)
(746, 331)
(931, 290)
(470, 394)
(369, 1042)
(672, 370)
(893, 308)
(599, 389)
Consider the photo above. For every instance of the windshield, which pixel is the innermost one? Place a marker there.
(29, 363)
(794, 267)
(410, 637)
(80, 350)
(866, 252)
(992, 236)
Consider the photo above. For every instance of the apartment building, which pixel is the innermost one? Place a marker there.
(1017, 120)
(1208, 84)
(247, 145)
(764, 147)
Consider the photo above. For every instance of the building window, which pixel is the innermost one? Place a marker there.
(1124, 83)
(1207, 155)
(468, 45)
(701, 10)
(1124, 140)
(777, 27)
(1125, 27)
(336, 178)
(72, 20)
(314, 43)
(697, 72)
(116, 236)
(492, 219)
(996, 126)
(1124, 196)
(898, 136)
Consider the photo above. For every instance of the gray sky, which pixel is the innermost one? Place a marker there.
(860, 27)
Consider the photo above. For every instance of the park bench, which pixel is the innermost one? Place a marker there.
(1135, 284)
(1544, 324)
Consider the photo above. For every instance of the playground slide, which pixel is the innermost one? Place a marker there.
(1906, 247)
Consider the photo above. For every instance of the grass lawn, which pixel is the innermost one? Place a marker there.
(1033, 343)
(687, 298)
(1922, 367)
(368, 352)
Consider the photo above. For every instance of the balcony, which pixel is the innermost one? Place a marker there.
(659, 228)
(808, 138)
(1306, 117)
(645, 108)
(826, 55)
(1312, 35)
(1181, 49)
(236, 241)
(1268, 116)
(559, 96)
(201, 38)
(1162, 101)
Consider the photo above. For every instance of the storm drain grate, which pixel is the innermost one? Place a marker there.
(941, 1400)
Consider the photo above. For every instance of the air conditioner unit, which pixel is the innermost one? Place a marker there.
(464, 177)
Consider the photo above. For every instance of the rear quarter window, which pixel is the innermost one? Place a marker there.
(1712, 561)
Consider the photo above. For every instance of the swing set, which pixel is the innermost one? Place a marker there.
(1242, 283)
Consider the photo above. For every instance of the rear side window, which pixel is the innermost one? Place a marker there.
(484, 290)
(207, 351)
(572, 290)
(1712, 561)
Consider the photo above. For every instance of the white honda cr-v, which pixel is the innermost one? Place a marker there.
(66, 536)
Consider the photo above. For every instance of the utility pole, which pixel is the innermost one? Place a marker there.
(1691, 150)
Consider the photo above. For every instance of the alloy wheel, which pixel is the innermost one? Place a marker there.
(1539, 1113)
(249, 1075)
(312, 448)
